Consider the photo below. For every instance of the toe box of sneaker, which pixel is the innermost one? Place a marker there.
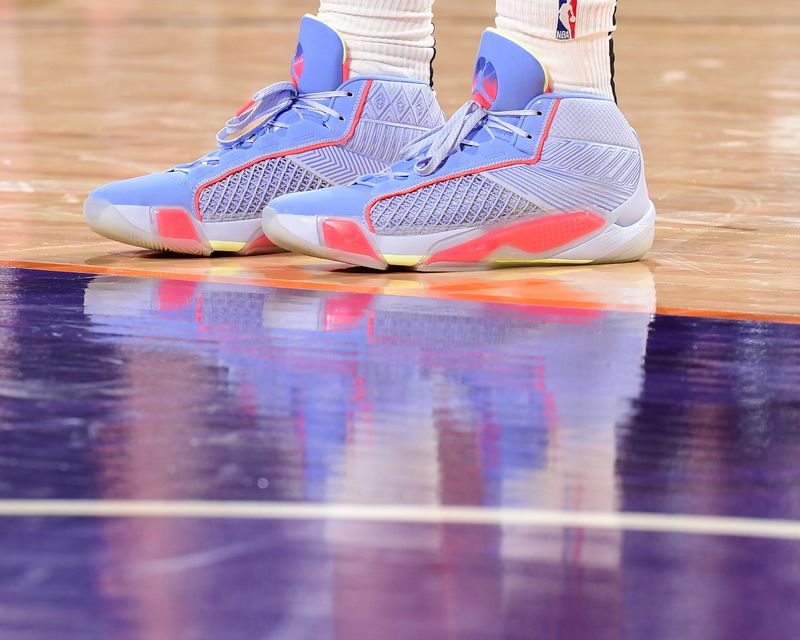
(155, 190)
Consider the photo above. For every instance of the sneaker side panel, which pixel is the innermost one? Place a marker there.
(395, 114)
(581, 199)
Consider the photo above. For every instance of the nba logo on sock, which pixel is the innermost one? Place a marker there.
(567, 19)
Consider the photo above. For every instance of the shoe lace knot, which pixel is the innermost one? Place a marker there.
(260, 115)
(430, 151)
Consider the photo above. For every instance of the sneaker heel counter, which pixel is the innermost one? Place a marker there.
(639, 204)
(599, 123)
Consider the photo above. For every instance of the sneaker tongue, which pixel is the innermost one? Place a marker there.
(507, 75)
(320, 61)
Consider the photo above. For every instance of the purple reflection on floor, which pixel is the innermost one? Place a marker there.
(92, 580)
(137, 388)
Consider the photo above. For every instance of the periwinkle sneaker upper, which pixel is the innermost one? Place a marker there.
(520, 175)
(320, 130)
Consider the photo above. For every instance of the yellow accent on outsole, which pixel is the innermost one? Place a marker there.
(402, 261)
(227, 247)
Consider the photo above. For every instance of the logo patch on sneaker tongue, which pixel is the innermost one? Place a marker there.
(298, 65)
(485, 85)
(567, 19)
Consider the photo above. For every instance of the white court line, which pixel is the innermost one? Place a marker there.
(642, 522)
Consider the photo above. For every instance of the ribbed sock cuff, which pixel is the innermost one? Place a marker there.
(384, 37)
(578, 61)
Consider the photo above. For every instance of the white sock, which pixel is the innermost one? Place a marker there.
(579, 54)
(384, 37)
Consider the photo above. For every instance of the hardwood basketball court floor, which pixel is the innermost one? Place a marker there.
(281, 447)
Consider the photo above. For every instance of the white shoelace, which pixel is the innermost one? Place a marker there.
(431, 150)
(260, 116)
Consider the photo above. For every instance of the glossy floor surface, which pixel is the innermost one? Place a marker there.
(278, 447)
(451, 440)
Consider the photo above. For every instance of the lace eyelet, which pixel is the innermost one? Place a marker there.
(341, 118)
(418, 167)
(350, 94)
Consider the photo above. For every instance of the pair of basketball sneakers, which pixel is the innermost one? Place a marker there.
(366, 171)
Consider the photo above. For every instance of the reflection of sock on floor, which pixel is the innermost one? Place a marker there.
(384, 37)
(571, 37)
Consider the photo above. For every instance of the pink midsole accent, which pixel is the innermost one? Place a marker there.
(347, 236)
(176, 223)
(537, 236)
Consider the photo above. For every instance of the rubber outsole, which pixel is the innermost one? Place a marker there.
(175, 230)
(563, 238)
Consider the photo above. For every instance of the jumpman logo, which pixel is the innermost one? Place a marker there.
(298, 65)
(485, 85)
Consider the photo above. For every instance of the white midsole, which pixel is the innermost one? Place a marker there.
(233, 231)
(307, 229)
(629, 242)
(633, 241)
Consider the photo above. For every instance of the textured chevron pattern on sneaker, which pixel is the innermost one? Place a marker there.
(593, 121)
(459, 203)
(382, 141)
(576, 174)
(244, 194)
(339, 165)
(395, 114)
(404, 104)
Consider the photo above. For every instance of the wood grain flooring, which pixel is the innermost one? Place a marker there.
(91, 92)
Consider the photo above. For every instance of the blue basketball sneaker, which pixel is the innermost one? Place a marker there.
(520, 175)
(321, 130)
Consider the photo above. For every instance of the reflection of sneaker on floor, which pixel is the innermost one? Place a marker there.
(320, 131)
(518, 176)
(360, 378)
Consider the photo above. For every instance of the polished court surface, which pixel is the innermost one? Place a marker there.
(279, 447)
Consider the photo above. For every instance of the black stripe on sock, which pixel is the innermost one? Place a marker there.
(434, 52)
(613, 57)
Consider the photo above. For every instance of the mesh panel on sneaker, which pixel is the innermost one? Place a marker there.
(459, 203)
(243, 195)
(593, 121)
